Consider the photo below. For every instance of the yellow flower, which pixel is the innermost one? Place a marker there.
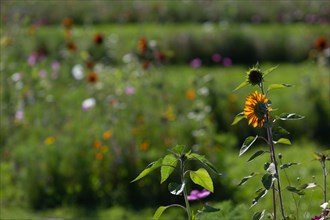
(256, 108)
(49, 140)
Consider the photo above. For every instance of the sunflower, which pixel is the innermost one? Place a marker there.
(256, 108)
(255, 76)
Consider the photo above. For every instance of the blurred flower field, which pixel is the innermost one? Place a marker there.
(88, 100)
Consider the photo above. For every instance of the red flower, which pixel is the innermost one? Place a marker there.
(321, 43)
(98, 38)
(92, 77)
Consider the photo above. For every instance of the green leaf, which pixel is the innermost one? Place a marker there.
(260, 193)
(168, 166)
(282, 141)
(290, 116)
(308, 186)
(201, 177)
(238, 118)
(159, 212)
(279, 131)
(247, 144)
(203, 160)
(270, 70)
(287, 165)
(178, 150)
(295, 190)
(257, 154)
(277, 86)
(258, 215)
(243, 84)
(152, 166)
(243, 181)
(267, 180)
(207, 208)
(176, 188)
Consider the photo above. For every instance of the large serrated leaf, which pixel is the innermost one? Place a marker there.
(290, 116)
(257, 154)
(203, 160)
(243, 181)
(176, 188)
(201, 177)
(152, 166)
(238, 118)
(287, 165)
(260, 193)
(168, 165)
(247, 144)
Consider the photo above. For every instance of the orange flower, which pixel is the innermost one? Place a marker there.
(67, 23)
(99, 156)
(97, 144)
(143, 45)
(92, 77)
(98, 38)
(144, 146)
(107, 135)
(256, 109)
(190, 94)
(71, 46)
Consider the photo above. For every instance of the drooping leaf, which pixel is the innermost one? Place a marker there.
(201, 177)
(270, 70)
(287, 165)
(238, 118)
(247, 144)
(203, 160)
(279, 131)
(295, 190)
(159, 212)
(290, 116)
(168, 166)
(267, 180)
(243, 84)
(260, 193)
(243, 181)
(257, 154)
(282, 141)
(176, 188)
(277, 86)
(152, 166)
(258, 215)
(207, 208)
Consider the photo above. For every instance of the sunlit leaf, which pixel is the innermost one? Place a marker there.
(260, 193)
(267, 180)
(178, 150)
(270, 70)
(201, 177)
(257, 154)
(168, 166)
(287, 165)
(159, 212)
(279, 131)
(243, 181)
(258, 215)
(203, 160)
(238, 118)
(176, 188)
(282, 141)
(295, 190)
(243, 84)
(290, 116)
(278, 86)
(152, 166)
(247, 144)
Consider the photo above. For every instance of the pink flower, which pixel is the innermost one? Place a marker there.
(195, 63)
(216, 58)
(129, 90)
(196, 195)
(227, 61)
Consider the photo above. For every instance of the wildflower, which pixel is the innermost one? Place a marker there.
(49, 140)
(256, 108)
(227, 62)
(196, 63)
(43, 73)
(216, 58)
(89, 64)
(321, 43)
(97, 144)
(88, 104)
(67, 23)
(144, 146)
(196, 195)
(254, 76)
(142, 45)
(19, 115)
(71, 46)
(129, 90)
(98, 39)
(190, 94)
(92, 77)
(78, 72)
(107, 135)
(99, 156)
(56, 66)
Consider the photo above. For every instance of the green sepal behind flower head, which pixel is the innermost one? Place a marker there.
(255, 76)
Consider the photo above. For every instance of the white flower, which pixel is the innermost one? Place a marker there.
(325, 205)
(78, 72)
(88, 104)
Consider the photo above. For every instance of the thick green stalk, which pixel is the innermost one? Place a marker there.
(185, 195)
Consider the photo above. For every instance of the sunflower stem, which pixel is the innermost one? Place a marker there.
(185, 194)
